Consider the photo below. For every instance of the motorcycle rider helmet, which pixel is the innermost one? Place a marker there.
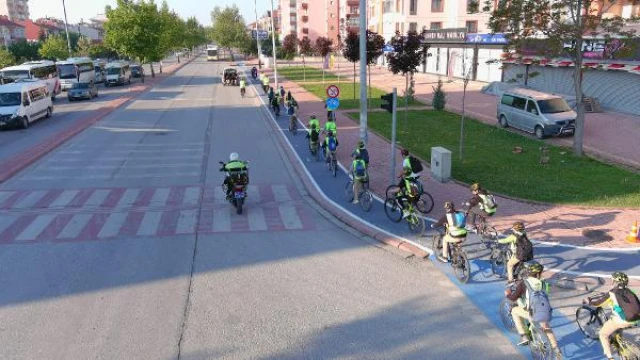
(233, 156)
(620, 279)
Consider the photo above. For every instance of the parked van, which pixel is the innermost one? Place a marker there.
(24, 102)
(536, 112)
(98, 66)
(118, 73)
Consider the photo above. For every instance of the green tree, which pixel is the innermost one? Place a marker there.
(173, 33)
(267, 45)
(228, 27)
(375, 49)
(6, 58)
(25, 51)
(405, 58)
(55, 48)
(351, 52)
(84, 47)
(439, 97)
(563, 24)
(101, 51)
(304, 49)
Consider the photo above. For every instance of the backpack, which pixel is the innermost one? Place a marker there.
(538, 303)
(291, 110)
(524, 248)
(364, 154)
(416, 166)
(332, 144)
(360, 169)
(460, 219)
(314, 136)
(489, 201)
(628, 304)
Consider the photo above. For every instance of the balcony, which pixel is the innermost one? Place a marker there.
(353, 2)
(305, 31)
(305, 6)
(305, 18)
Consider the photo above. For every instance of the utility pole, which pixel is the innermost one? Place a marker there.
(394, 122)
(363, 71)
(66, 28)
(255, 9)
(273, 39)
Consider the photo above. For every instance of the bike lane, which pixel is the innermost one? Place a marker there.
(483, 289)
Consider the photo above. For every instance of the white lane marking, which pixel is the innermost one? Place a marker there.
(160, 197)
(97, 198)
(30, 200)
(131, 158)
(113, 224)
(75, 226)
(219, 197)
(36, 227)
(222, 220)
(191, 196)
(187, 221)
(128, 198)
(253, 193)
(64, 199)
(149, 224)
(257, 221)
(117, 166)
(4, 195)
(6, 221)
(281, 193)
(289, 217)
(86, 147)
(108, 177)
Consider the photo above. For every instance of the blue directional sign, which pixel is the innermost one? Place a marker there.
(262, 34)
(388, 48)
(486, 39)
(332, 103)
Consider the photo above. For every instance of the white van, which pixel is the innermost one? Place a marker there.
(22, 103)
(117, 73)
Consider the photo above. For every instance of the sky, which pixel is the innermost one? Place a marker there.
(86, 9)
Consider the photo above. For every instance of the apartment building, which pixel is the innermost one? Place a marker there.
(15, 10)
(349, 14)
(11, 31)
(316, 18)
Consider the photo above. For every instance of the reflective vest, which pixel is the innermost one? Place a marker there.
(235, 166)
(331, 126)
(489, 210)
(243, 84)
(455, 229)
(314, 122)
(265, 80)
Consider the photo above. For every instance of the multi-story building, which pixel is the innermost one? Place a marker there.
(264, 23)
(36, 31)
(15, 10)
(11, 31)
(316, 18)
(349, 17)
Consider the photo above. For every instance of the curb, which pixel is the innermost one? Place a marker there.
(26, 159)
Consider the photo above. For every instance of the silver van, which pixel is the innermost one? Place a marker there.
(536, 112)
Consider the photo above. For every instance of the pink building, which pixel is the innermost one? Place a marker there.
(311, 18)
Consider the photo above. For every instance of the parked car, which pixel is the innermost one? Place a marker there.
(137, 71)
(536, 112)
(23, 103)
(80, 91)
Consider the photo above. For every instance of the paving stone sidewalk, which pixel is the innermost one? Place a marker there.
(606, 228)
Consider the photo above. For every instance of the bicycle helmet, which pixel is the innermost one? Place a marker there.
(404, 152)
(234, 157)
(330, 133)
(475, 187)
(360, 144)
(448, 206)
(534, 268)
(518, 226)
(312, 117)
(620, 279)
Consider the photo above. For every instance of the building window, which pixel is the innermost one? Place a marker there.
(397, 26)
(413, 7)
(472, 27)
(388, 6)
(436, 25)
(413, 26)
(473, 6)
(398, 7)
(437, 5)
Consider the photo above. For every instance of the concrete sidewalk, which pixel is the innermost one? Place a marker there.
(568, 225)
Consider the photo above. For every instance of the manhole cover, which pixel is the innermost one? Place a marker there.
(597, 235)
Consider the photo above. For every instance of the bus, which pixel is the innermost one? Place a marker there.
(75, 70)
(212, 53)
(34, 70)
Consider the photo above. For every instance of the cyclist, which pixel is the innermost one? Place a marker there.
(235, 166)
(330, 126)
(265, 83)
(521, 311)
(520, 247)
(330, 145)
(314, 136)
(282, 92)
(293, 118)
(456, 233)
(243, 85)
(407, 191)
(406, 162)
(313, 122)
(360, 176)
(612, 299)
(270, 95)
(482, 203)
(275, 103)
(361, 150)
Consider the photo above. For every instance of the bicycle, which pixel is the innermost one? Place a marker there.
(393, 210)
(487, 232)
(590, 320)
(293, 124)
(314, 148)
(458, 258)
(333, 162)
(365, 199)
(425, 201)
(500, 255)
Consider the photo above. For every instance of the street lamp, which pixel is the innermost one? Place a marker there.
(273, 39)
(255, 9)
(66, 27)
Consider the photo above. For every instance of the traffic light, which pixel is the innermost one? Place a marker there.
(387, 102)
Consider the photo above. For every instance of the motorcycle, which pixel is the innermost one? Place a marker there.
(254, 73)
(238, 193)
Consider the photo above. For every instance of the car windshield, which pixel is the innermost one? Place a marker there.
(113, 71)
(67, 71)
(10, 99)
(13, 75)
(553, 106)
(80, 86)
(135, 68)
(230, 71)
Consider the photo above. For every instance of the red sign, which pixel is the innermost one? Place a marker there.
(333, 91)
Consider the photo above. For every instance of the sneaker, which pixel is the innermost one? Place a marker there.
(443, 259)
(355, 201)
(524, 340)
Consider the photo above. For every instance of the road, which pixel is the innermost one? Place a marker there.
(118, 244)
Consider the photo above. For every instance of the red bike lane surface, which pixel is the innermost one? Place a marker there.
(558, 224)
(19, 162)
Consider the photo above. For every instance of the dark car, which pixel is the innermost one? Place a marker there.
(137, 71)
(82, 91)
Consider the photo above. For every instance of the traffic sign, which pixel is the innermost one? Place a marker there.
(333, 91)
(261, 34)
(388, 48)
(332, 103)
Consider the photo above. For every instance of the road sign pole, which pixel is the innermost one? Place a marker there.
(393, 136)
(363, 70)
(273, 41)
(255, 9)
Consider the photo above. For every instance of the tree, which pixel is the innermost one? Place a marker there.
(84, 46)
(439, 97)
(25, 51)
(55, 48)
(375, 46)
(324, 46)
(304, 49)
(6, 58)
(228, 27)
(289, 46)
(173, 34)
(249, 46)
(101, 51)
(351, 52)
(558, 29)
(405, 58)
(267, 45)
(194, 33)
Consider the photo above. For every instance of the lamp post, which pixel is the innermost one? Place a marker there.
(363, 70)
(273, 39)
(255, 9)
(66, 27)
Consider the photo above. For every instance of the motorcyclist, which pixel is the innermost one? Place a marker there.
(236, 170)
(254, 72)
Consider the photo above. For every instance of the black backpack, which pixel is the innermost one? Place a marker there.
(364, 154)
(416, 166)
(629, 304)
(524, 248)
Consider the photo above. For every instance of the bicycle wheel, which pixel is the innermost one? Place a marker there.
(317, 152)
(366, 200)
(488, 234)
(589, 321)
(425, 203)
(628, 350)
(436, 244)
(498, 263)
(334, 166)
(540, 346)
(505, 315)
(461, 266)
(416, 224)
(393, 210)
(348, 191)
(391, 190)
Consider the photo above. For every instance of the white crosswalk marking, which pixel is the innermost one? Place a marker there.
(149, 224)
(113, 225)
(75, 226)
(97, 198)
(281, 193)
(290, 217)
(256, 219)
(6, 221)
(191, 196)
(187, 221)
(36, 227)
(4, 195)
(64, 199)
(219, 196)
(253, 194)
(160, 197)
(128, 198)
(30, 200)
(222, 220)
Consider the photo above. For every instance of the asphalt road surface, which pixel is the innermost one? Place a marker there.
(119, 245)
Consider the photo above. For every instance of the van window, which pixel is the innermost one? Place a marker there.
(36, 94)
(553, 106)
(531, 107)
(519, 102)
(507, 100)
